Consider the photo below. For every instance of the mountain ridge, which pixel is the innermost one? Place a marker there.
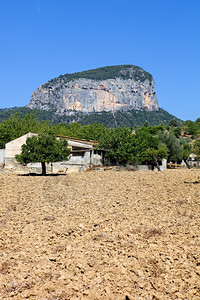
(109, 88)
(107, 72)
(121, 95)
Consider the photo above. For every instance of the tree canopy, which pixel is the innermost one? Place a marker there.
(43, 148)
(197, 148)
(123, 145)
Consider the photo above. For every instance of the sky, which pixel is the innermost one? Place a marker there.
(42, 39)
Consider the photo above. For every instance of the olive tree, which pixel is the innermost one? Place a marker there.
(197, 148)
(43, 148)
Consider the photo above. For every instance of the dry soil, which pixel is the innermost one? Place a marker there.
(100, 235)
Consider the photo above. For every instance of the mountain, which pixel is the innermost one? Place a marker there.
(115, 96)
(108, 89)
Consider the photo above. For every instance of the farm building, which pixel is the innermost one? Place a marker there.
(83, 154)
(193, 161)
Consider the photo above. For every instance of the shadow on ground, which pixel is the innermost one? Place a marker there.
(36, 174)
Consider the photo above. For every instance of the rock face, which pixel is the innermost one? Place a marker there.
(129, 87)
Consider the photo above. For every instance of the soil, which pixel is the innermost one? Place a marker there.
(100, 235)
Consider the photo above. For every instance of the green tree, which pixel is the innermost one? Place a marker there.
(142, 140)
(173, 145)
(122, 146)
(186, 150)
(118, 144)
(174, 123)
(43, 148)
(157, 128)
(16, 126)
(191, 128)
(197, 120)
(177, 131)
(146, 124)
(155, 155)
(197, 148)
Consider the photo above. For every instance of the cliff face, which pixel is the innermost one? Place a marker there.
(130, 89)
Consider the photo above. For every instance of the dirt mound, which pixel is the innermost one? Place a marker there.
(100, 235)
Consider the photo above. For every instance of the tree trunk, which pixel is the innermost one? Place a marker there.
(43, 168)
(157, 165)
(185, 161)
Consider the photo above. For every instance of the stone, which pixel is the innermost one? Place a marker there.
(86, 95)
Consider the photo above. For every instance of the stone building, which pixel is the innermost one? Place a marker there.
(83, 155)
(193, 161)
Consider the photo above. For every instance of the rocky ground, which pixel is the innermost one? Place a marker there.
(100, 235)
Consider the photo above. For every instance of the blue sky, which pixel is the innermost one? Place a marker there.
(41, 39)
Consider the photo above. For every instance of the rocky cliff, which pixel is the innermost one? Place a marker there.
(104, 89)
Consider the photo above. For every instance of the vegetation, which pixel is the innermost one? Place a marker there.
(42, 115)
(123, 145)
(174, 123)
(197, 148)
(129, 118)
(158, 154)
(43, 148)
(16, 126)
(111, 72)
(173, 146)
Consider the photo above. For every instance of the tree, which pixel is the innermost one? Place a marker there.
(174, 123)
(197, 148)
(122, 146)
(142, 140)
(158, 154)
(16, 126)
(118, 144)
(197, 120)
(191, 128)
(185, 153)
(146, 124)
(173, 145)
(43, 148)
(177, 131)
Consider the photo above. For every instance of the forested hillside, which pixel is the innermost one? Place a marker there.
(109, 72)
(110, 119)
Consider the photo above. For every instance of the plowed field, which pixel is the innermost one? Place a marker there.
(100, 235)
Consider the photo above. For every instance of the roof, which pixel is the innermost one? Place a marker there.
(27, 135)
(193, 155)
(90, 142)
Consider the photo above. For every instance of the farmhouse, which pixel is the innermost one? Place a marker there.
(83, 155)
(193, 160)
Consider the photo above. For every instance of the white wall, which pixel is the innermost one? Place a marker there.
(2, 156)
(14, 147)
